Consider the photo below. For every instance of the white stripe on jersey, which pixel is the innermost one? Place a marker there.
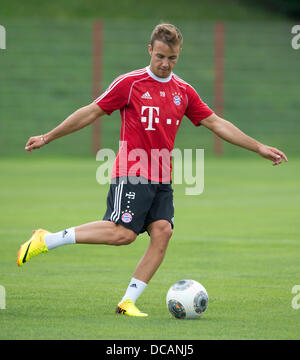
(147, 77)
(176, 77)
(118, 80)
(124, 117)
(185, 83)
(137, 72)
(178, 80)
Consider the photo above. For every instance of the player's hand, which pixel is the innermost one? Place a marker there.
(272, 154)
(35, 142)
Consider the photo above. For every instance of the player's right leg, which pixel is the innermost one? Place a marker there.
(104, 232)
(98, 232)
(120, 225)
(34, 246)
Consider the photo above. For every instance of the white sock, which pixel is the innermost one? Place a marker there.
(134, 290)
(60, 238)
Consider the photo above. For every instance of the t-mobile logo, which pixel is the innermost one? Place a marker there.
(151, 115)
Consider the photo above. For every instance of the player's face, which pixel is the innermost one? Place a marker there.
(163, 58)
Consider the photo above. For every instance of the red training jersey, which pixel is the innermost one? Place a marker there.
(151, 110)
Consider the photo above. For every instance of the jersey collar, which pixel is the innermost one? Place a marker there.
(164, 80)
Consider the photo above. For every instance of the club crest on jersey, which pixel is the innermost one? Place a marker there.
(177, 98)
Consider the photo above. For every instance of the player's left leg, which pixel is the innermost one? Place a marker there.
(159, 224)
(160, 233)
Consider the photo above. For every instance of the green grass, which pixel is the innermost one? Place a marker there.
(240, 239)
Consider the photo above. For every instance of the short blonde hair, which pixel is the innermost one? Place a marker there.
(167, 33)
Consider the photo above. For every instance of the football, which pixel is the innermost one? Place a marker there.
(187, 299)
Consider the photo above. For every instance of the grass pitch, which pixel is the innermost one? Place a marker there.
(240, 239)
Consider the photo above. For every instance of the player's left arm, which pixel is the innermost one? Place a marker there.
(230, 133)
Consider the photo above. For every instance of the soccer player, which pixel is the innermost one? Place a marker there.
(152, 102)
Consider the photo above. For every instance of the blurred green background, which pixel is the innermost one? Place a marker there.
(46, 70)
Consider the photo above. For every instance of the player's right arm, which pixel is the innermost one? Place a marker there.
(76, 121)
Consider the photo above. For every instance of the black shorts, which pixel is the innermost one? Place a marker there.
(135, 203)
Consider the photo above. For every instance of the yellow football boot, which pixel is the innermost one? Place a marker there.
(34, 246)
(127, 307)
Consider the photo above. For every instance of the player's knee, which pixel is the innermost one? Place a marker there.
(124, 236)
(164, 242)
(126, 239)
(161, 233)
(168, 232)
(164, 229)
